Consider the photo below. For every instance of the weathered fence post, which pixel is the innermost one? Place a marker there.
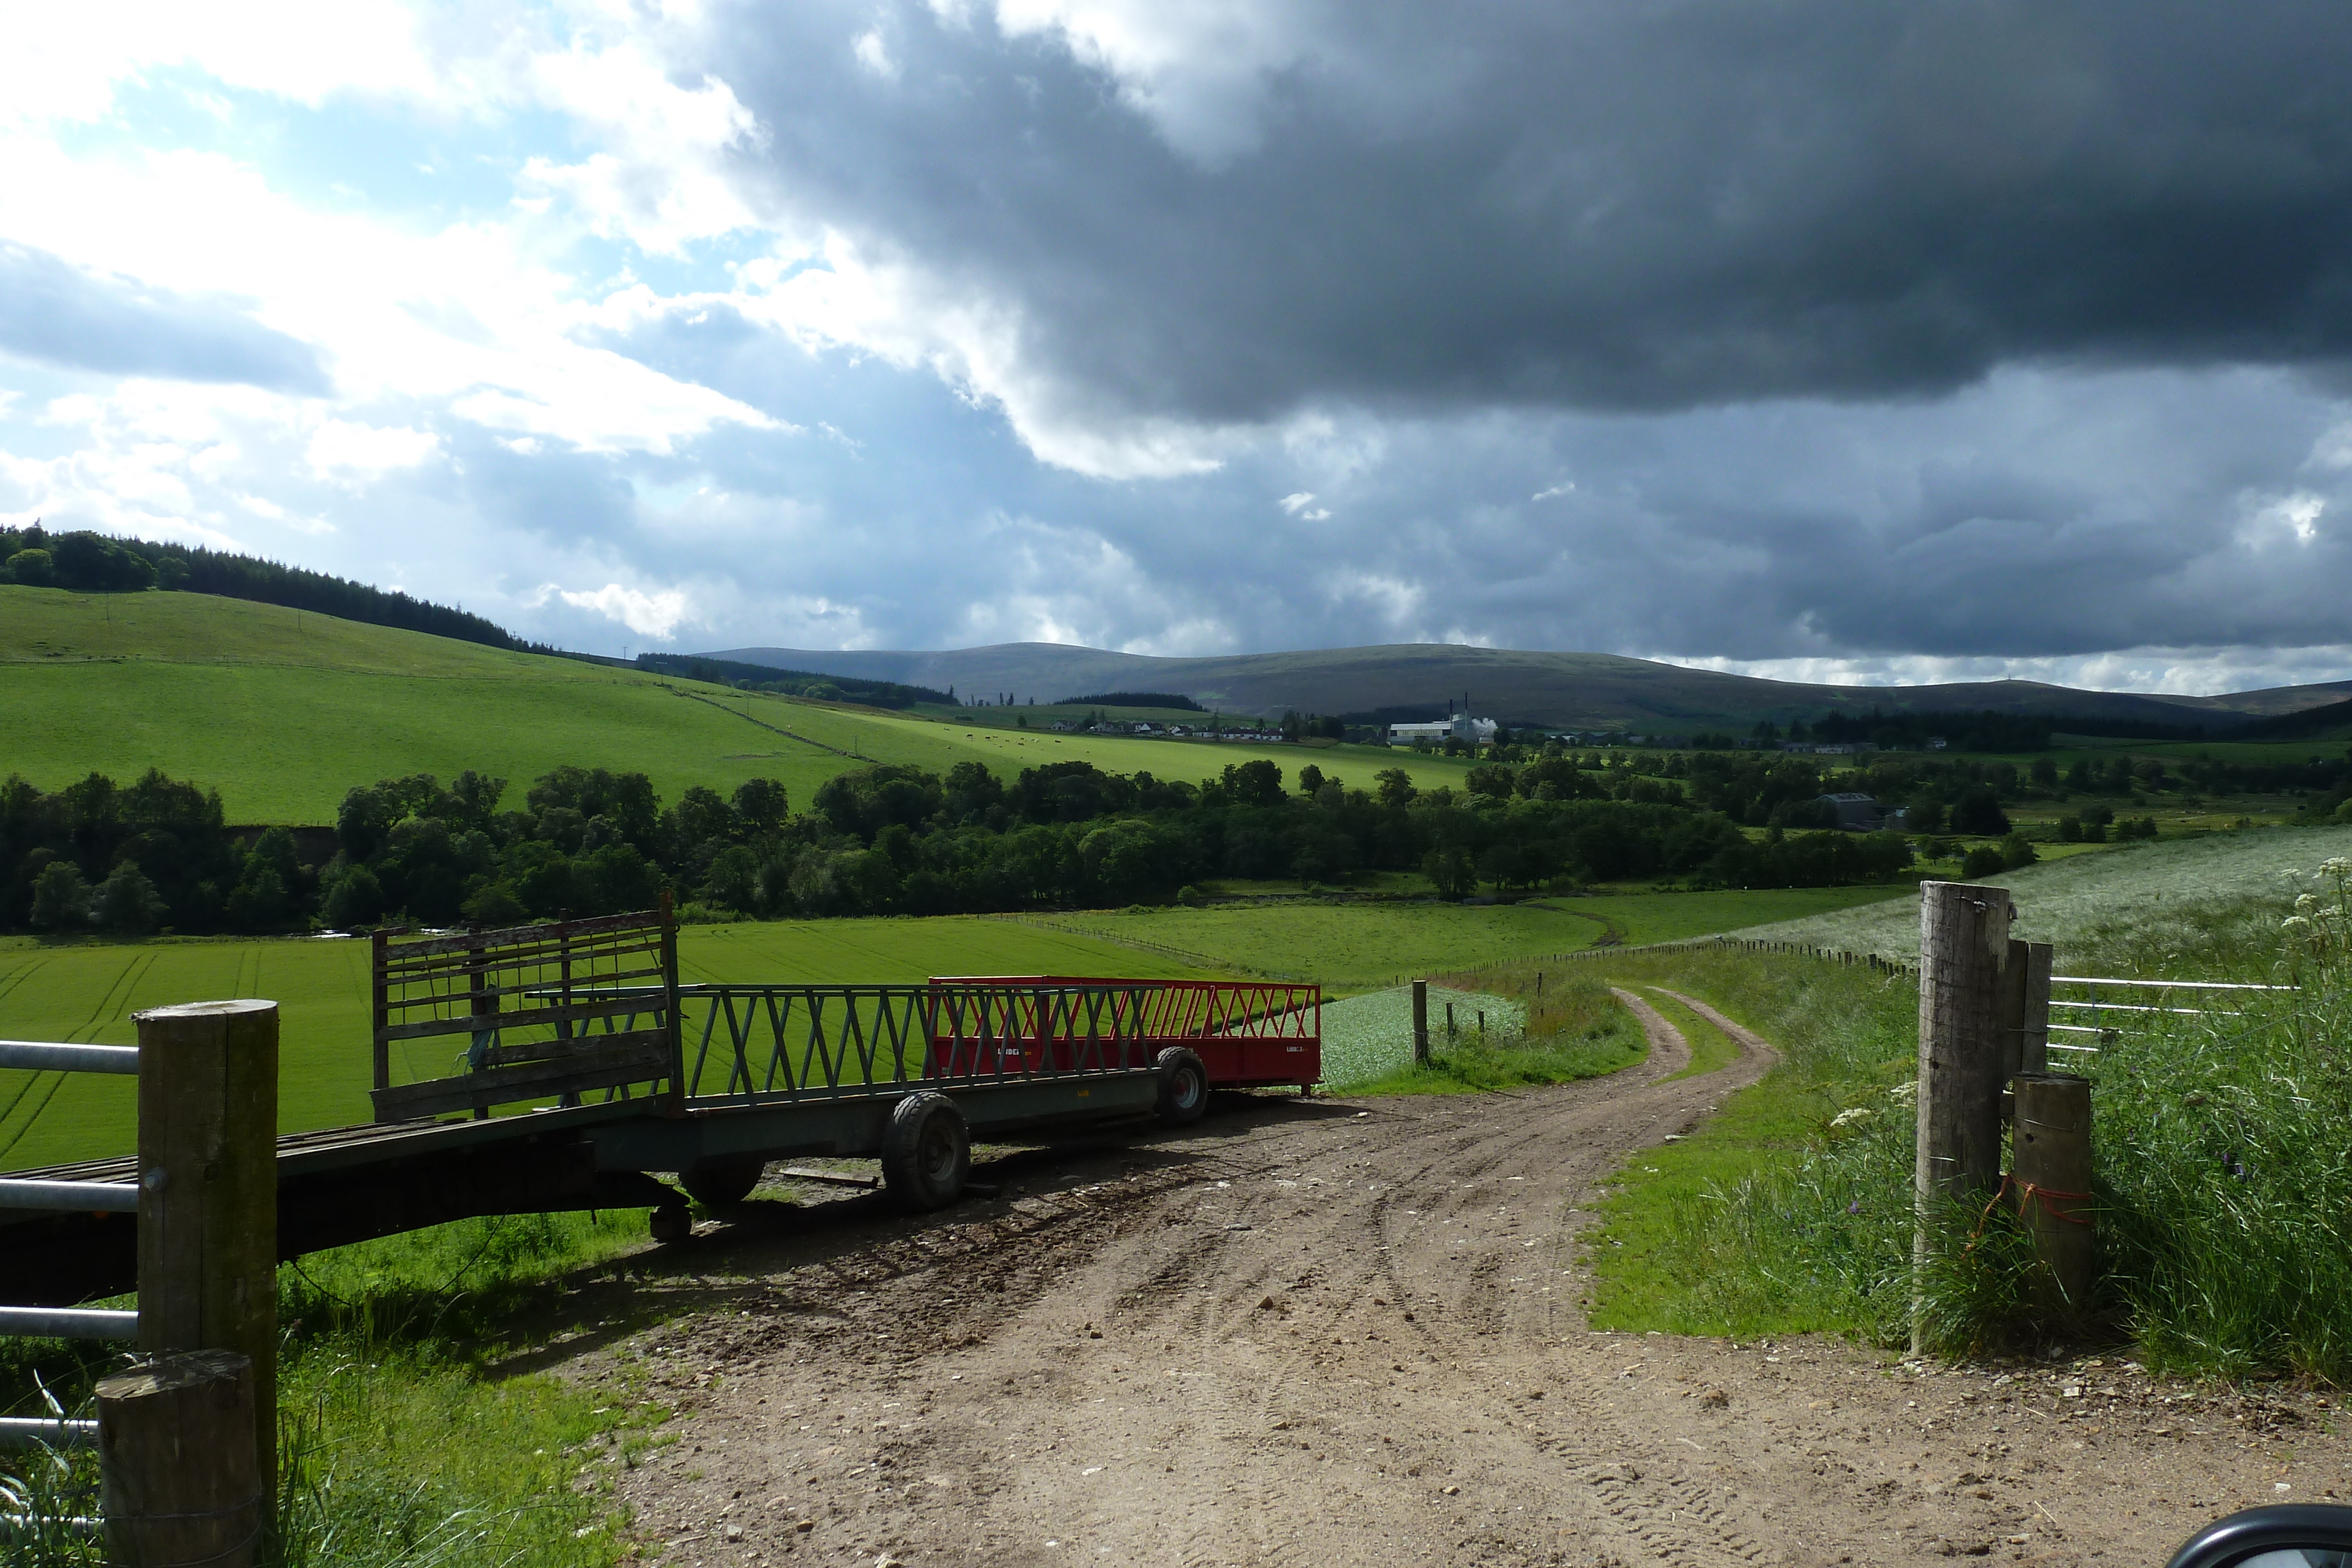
(1421, 1023)
(208, 1194)
(2050, 1170)
(1963, 1060)
(2025, 1007)
(1449, 1023)
(180, 1481)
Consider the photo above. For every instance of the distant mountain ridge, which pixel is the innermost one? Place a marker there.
(1569, 690)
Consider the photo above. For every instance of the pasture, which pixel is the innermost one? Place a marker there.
(87, 993)
(2068, 900)
(283, 711)
(1357, 946)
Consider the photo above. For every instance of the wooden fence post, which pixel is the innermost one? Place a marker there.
(1963, 951)
(179, 1477)
(2051, 1171)
(1421, 1023)
(2033, 1023)
(208, 1193)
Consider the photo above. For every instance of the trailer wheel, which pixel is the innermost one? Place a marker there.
(1183, 1087)
(718, 1180)
(926, 1152)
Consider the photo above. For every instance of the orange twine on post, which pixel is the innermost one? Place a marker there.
(2029, 1192)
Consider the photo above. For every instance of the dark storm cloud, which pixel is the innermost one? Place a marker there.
(1602, 206)
(56, 313)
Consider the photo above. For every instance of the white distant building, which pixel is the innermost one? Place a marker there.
(1437, 732)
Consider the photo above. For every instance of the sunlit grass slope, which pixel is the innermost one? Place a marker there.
(1366, 947)
(283, 711)
(2066, 901)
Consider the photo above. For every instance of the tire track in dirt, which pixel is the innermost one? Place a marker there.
(1309, 1332)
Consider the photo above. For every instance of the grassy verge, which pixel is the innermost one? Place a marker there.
(1574, 1030)
(1710, 1048)
(2222, 1144)
(1743, 1227)
(403, 1444)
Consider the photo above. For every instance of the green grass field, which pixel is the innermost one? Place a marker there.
(88, 993)
(1367, 947)
(283, 711)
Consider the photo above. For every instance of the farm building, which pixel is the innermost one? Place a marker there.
(1862, 814)
(1436, 732)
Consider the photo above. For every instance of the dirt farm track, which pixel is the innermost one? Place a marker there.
(1347, 1332)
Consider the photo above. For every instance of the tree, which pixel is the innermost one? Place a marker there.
(1449, 868)
(762, 804)
(356, 899)
(1257, 782)
(1310, 779)
(1395, 786)
(1977, 812)
(60, 897)
(126, 903)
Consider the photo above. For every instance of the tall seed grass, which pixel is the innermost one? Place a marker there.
(2223, 1148)
(400, 1445)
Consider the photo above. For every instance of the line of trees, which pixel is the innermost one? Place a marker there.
(86, 562)
(156, 855)
(793, 683)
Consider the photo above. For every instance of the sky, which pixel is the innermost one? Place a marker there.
(1819, 338)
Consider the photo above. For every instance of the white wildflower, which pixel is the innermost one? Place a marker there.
(1905, 1091)
(1850, 1117)
(2295, 925)
(2305, 903)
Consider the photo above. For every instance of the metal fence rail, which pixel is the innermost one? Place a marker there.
(84, 1197)
(2099, 1010)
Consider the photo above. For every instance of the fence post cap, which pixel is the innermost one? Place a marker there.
(242, 1005)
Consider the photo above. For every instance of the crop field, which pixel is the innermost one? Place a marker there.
(2064, 901)
(1353, 946)
(88, 993)
(1369, 1036)
(283, 711)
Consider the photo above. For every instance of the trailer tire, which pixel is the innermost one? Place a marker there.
(926, 1152)
(715, 1181)
(1183, 1087)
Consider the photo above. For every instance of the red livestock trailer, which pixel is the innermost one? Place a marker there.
(1198, 1034)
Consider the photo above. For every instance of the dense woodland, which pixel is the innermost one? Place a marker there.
(793, 683)
(157, 855)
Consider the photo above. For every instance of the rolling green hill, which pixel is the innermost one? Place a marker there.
(1577, 690)
(283, 711)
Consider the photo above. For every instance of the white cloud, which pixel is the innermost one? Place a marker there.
(1197, 72)
(873, 52)
(2179, 672)
(976, 345)
(341, 449)
(657, 614)
(1553, 493)
(65, 62)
